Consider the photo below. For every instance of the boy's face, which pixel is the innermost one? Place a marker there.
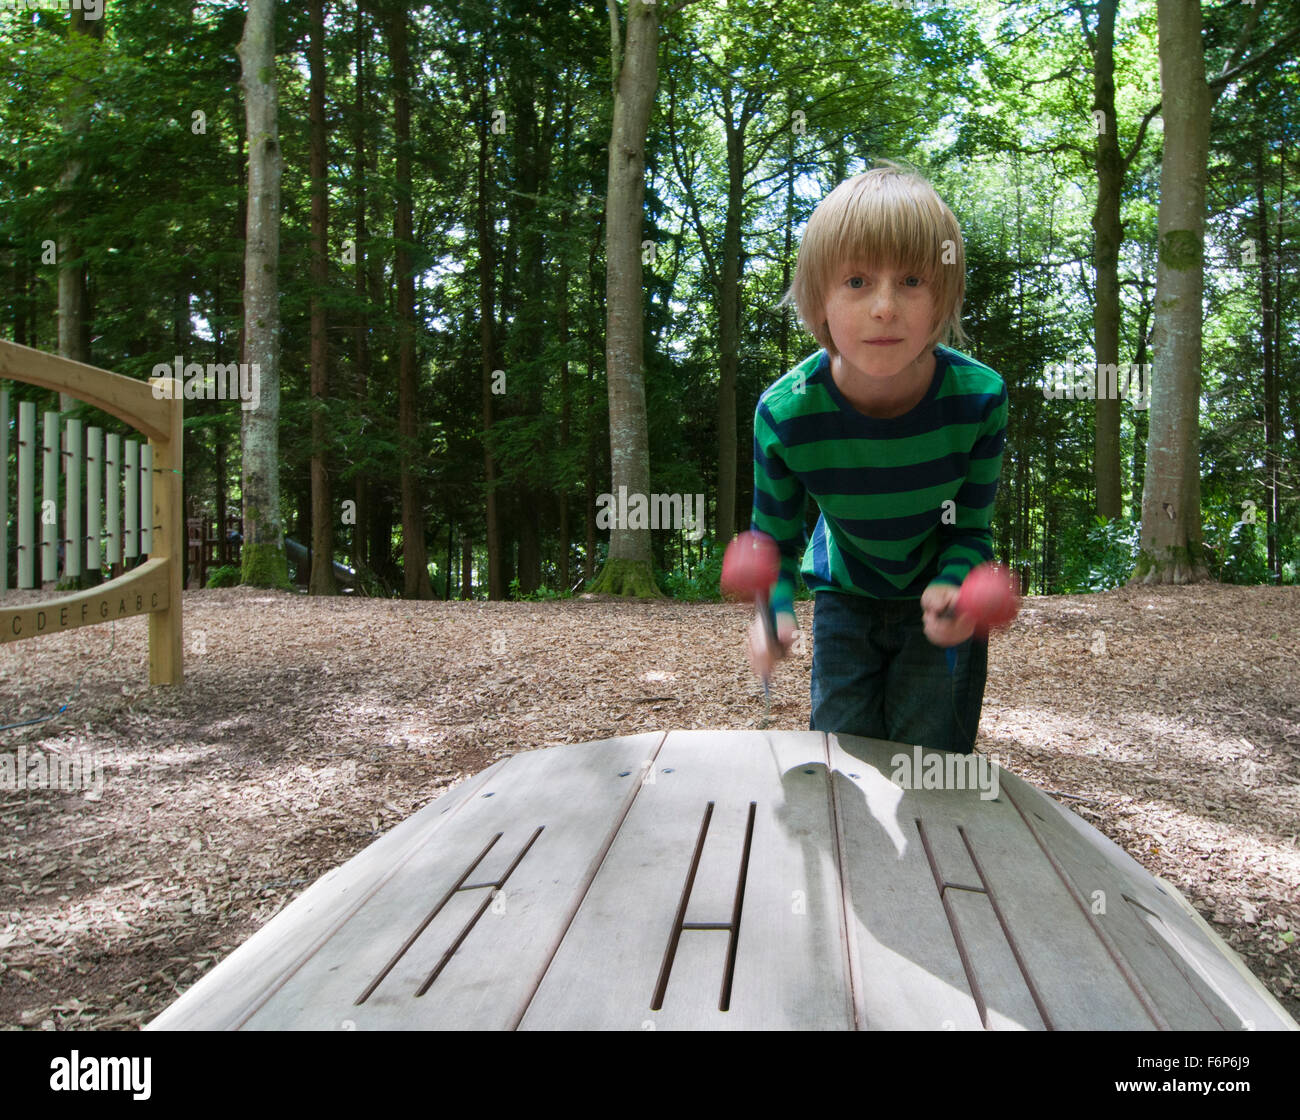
(880, 320)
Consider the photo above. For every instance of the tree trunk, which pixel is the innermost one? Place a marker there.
(1272, 415)
(322, 513)
(360, 281)
(262, 556)
(72, 269)
(1106, 224)
(628, 569)
(729, 326)
(1141, 417)
(488, 349)
(1171, 501)
(415, 563)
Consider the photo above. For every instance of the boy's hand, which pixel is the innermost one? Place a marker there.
(949, 630)
(762, 655)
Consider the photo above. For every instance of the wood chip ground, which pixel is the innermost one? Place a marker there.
(1168, 718)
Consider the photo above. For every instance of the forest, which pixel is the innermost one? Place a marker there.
(496, 264)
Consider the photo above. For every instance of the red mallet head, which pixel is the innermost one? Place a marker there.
(990, 597)
(750, 566)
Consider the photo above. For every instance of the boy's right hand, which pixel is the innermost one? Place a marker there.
(762, 654)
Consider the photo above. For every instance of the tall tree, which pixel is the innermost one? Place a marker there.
(262, 560)
(489, 346)
(84, 36)
(1106, 225)
(1171, 543)
(628, 570)
(415, 562)
(322, 515)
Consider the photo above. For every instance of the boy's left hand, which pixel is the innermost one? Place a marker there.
(946, 631)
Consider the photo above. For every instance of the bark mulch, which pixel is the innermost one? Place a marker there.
(1169, 718)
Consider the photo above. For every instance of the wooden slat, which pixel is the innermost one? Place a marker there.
(909, 971)
(1181, 998)
(976, 906)
(237, 986)
(1074, 976)
(578, 796)
(606, 971)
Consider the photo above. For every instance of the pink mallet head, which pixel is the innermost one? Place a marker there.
(990, 597)
(750, 566)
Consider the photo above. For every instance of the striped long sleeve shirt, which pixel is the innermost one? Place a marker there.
(905, 501)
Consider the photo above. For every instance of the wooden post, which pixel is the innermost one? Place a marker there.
(166, 652)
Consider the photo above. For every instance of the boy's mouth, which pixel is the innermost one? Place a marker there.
(882, 341)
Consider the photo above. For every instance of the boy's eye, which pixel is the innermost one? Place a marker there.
(914, 281)
(855, 281)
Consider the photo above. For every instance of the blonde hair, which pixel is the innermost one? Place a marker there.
(886, 216)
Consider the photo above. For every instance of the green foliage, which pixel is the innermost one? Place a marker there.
(1235, 549)
(698, 584)
(541, 595)
(1101, 557)
(225, 576)
(156, 211)
(702, 582)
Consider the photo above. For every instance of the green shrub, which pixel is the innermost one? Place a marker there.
(227, 576)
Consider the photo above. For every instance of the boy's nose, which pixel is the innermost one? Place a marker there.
(882, 303)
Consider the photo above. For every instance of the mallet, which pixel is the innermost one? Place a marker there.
(750, 567)
(989, 597)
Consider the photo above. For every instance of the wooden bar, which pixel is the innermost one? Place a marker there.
(140, 591)
(50, 498)
(606, 972)
(26, 495)
(131, 542)
(131, 401)
(147, 514)
(73, 544)
(113, 497)
(387, 946)
(94, 498)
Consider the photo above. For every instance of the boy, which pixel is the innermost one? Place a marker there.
(900, 442)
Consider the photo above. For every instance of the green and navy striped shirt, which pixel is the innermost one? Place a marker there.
(905, 501)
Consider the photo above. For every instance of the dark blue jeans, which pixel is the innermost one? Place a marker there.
(876, 674)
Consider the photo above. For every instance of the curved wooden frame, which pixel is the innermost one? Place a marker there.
(154, 588)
